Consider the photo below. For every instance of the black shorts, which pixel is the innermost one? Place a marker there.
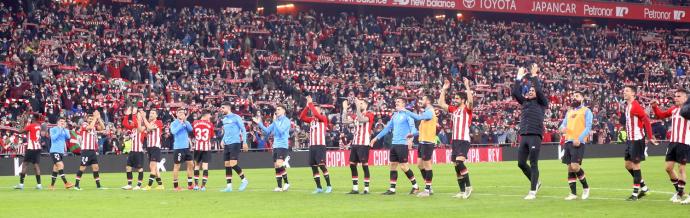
(57, 157)
(32, 156)
(573, 154)
(135, 160)
(359, 154)
(635, 151)
(88, 157)
(460, 149)
(677, 152)
(154, 154)
(182, 155)
(232, 151)
(279, 154)
(425, 151)
(317, 155)
(399, 153)
(202, 156)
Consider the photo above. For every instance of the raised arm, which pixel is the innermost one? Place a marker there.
(55, 133)
(516, 91)
(428, 114)
(470, 93)
(318, 115)
(176, 126)
(659, 114)
(303, 115)
(129, 124)
(442, 98)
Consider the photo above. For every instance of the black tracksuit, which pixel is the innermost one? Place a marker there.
(531, 129)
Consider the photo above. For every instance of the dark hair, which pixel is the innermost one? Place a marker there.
(226, 103)
(632, 87)
(428, 96)
(462, 95)
(682, 90)
(281, 106)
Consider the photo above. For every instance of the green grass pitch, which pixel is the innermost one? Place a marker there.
(498, 192)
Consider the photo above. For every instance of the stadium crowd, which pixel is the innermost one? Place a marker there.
(68, 60)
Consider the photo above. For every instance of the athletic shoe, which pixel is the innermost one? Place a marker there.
(286, 186)
(77, 188)
(328, 190)
(68, 185)
(585, 194)
(531, 195)
(317, 191)
(52, 188)
(178, 189)
(127, 187)
(571, 197)
(100, 188)
(203, 189)
(190, 188)
(632, 198)
(423, 194)
(676, 199)
(414, 191)
(468, 192)
(147, 188)
(244, 184)
(196, 188)
(39, 187)
(643, 192)
(19, 187)
(353, 192)
(227, 189)
(389, 192)
(136, 188)
(160, 187)
(365, 192)
(686, 201)
(277, 189)
(459, 195)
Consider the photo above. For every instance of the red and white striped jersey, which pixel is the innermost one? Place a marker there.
(137, 137)
(680, 127)
(317, 133)
(203, 133)
(635, 120)
(461, 122)
(33, 136)
(317, 125)
(89, 138)
(153, 138)
(362, 134)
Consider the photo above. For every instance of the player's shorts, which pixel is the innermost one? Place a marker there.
(635, 151)
(359, 154)
(202, 156)
(399, 153)
(425, 151)
(154, 154)
(460, 149)
(88, 157)
(677, 152)
(573, 154)
(182, 155)
(279, 154)
(317, 155)
(32, 156)
(232, 151)
(135, 159)
(57, 157)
